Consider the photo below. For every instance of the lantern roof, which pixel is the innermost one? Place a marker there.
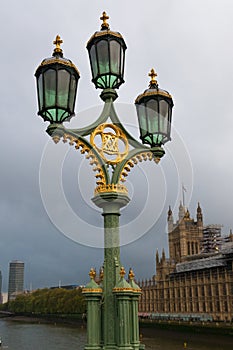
(105, 32)
(153, 90)
(57, 57)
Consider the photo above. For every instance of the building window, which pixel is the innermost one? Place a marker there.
(188, 244)
(224, 290)
(204, 307)
(193, 251)
(226, 306)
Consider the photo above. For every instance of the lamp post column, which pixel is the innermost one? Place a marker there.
(93, 295)
(123, 292)
(110, 202)
(135, 342)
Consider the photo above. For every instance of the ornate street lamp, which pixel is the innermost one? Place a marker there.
(112, 319)
(57, 80)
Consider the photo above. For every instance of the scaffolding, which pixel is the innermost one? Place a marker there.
(212, 239)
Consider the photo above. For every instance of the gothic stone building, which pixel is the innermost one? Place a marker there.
(196, 282)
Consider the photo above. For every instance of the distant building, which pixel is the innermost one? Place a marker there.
(4, 297)
(196, 281)
(16, 279)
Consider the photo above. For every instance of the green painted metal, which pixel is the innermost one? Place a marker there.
(123, 292)
(93, 295)
(112, 314)
(108, 96)
(123, 320)
(100, 120)
(59, 130)
(135, 342)
(111, 204)
(156, 151)
(131, 139)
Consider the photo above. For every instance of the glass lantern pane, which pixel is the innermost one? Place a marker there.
(62, 115)
(103, 56)
(163, 110)
(51, 114)
(50, 87)
(142, 119)
(152, 116)
(63, 82)
(40, 91)
(73, 87)
(93, 61)
(158, 139)
(169, 121)
(112, 81)
(101, 82)
(148, 140)
(115, 57)
(122, 62)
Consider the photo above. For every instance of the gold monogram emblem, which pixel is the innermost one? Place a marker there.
(110, 142)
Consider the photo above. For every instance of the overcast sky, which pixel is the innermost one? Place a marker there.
(189, 43)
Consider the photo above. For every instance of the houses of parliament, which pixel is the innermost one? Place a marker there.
(196, 281)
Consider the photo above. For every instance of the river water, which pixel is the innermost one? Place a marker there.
(36, 336)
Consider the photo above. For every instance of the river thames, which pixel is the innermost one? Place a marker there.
(36, 336)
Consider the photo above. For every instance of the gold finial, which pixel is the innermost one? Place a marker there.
(101, 275)
(104, 18)
(92, 273)
(58, 41)
(131, 274)
(122, 272)
(153, 74)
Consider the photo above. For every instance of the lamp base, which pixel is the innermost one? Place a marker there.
(107, 94)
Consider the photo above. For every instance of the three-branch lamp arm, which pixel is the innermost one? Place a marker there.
(57, 82)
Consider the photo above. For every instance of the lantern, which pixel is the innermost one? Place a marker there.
(57, 80)
(154, 111)
(107, 56)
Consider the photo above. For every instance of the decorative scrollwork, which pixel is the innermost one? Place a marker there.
(118, 188)
(143, 156)
(90, 154)
(120, 172)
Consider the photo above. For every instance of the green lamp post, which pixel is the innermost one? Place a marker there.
(112, 321)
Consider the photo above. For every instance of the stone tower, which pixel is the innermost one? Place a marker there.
(184, 235)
